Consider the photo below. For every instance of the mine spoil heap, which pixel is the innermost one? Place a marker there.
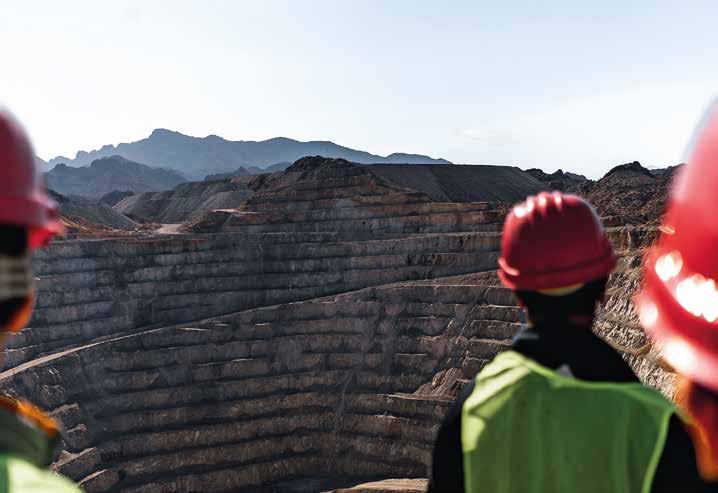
(309, 336)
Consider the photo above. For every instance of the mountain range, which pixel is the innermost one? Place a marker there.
(197, 157)
(109, 174)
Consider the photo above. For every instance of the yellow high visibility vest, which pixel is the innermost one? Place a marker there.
(526, 428)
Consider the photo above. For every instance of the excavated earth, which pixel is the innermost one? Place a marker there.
(310, 338)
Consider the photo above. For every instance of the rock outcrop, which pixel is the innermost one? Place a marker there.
(558, 180)
(630, 194)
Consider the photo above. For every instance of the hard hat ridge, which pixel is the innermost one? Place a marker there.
(553, 241)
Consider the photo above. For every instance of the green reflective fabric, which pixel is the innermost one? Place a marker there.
(527, 428)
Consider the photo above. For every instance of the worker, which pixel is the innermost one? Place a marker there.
(678, 304)
(561, 410)
(28, 218)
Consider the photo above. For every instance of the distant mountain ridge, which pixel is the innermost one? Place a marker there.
(252, 170)
(197, 157)
(108, 174)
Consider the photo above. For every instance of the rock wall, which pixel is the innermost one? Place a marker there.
(340, 389)
(94, 289)
(618, 321)
(320, 195)
(344, 387)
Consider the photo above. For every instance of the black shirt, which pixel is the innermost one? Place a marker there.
(587, 357)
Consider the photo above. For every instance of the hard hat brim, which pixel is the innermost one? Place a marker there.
(578, 274)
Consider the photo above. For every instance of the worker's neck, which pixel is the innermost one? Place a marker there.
(571, 322)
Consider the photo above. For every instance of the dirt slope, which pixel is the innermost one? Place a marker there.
(185, 201)
(81, 215)
(463, 183)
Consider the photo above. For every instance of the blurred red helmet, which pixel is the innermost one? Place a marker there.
(678, 305)
(23, 198)
(554, 241)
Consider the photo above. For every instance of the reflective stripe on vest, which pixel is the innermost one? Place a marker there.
(527, 428)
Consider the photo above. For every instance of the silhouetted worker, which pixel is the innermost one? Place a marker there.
(28, 219)
(561, 411)
(678, 305)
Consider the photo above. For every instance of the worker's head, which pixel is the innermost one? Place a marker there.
(556, 257)
(28, 218)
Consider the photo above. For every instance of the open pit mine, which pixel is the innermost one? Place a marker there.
(298, 331)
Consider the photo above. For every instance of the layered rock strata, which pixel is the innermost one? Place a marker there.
(319, 195)
(95, 289)
(339, 390)
(349, 387)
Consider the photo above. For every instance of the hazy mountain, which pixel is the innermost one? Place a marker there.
(108, 174)
(230, 174)
(197, 157)
(272, 168)
(115, 196)
(41, 164)
(252, 170)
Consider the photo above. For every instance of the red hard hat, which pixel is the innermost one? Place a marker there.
(553, 241)
(23, 199)
(678, 305)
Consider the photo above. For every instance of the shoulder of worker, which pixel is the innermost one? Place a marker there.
(512, 370)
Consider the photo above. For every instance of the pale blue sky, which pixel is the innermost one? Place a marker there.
(532, 84)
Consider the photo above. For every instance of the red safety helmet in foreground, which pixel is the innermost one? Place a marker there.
(555, 243)
(23, 199)
(678, 305)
